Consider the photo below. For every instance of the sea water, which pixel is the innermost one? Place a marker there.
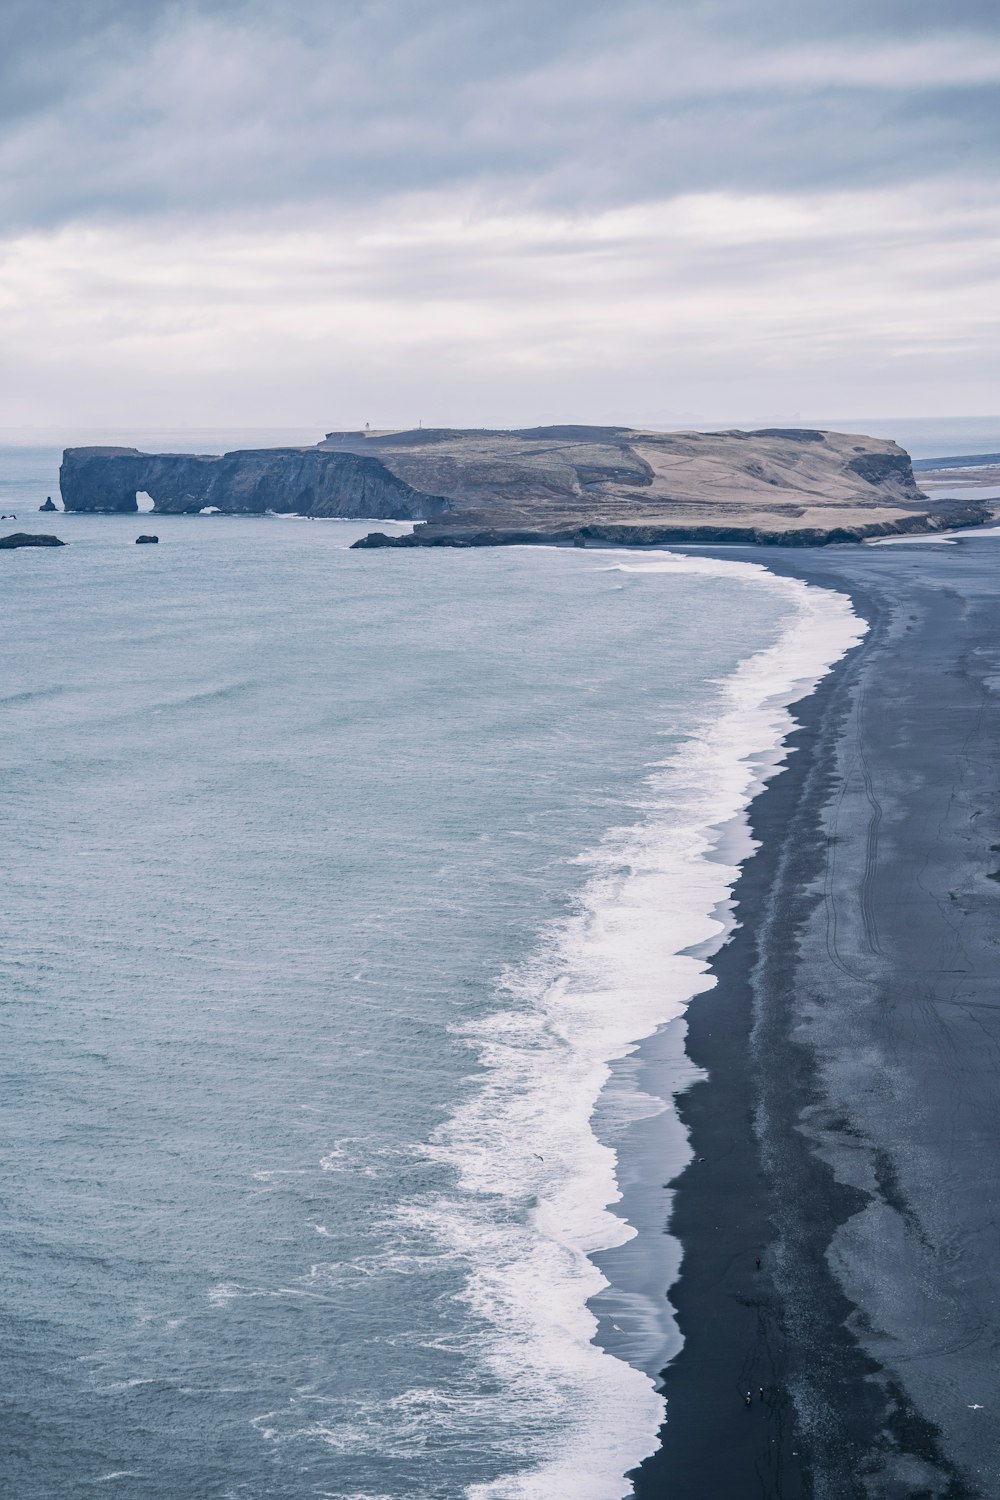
(340, 888)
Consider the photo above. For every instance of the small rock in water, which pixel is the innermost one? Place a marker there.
(48, 504)
(29, 539)
(146, 539)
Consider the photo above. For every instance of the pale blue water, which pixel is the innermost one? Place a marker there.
(932, 437)
(27, 476)
(277, 816)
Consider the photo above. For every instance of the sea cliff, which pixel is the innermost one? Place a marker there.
(307, 481)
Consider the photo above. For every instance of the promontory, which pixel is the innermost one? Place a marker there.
(478, 487)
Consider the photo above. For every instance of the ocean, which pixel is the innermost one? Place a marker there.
(354, 901)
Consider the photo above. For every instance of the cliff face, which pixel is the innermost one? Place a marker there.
(543, 483)
(307, 481)
(108, 479)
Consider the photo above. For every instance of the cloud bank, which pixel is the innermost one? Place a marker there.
(383, 210)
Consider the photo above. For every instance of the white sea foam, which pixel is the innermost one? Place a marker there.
(536, 1186)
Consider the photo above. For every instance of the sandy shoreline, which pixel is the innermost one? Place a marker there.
(849, 1131)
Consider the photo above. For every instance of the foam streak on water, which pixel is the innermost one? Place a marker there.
(326, 1139)
(536, 1185)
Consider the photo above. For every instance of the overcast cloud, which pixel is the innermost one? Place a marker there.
(330, 213)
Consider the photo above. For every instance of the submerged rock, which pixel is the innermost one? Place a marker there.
(146, 539)
(30, 539)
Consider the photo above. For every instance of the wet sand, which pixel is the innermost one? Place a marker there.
(849, 1129)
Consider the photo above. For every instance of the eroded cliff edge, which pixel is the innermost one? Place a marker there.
(306, 481)
(547, 484)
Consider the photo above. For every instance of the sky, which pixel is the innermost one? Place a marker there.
(316, 215)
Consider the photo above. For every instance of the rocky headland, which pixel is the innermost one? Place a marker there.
(617, 485)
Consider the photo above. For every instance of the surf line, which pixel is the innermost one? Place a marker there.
(576, 1352)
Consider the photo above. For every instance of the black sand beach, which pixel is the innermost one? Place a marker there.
(849, 1131)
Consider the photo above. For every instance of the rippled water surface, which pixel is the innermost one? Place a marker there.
(298, 1064)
